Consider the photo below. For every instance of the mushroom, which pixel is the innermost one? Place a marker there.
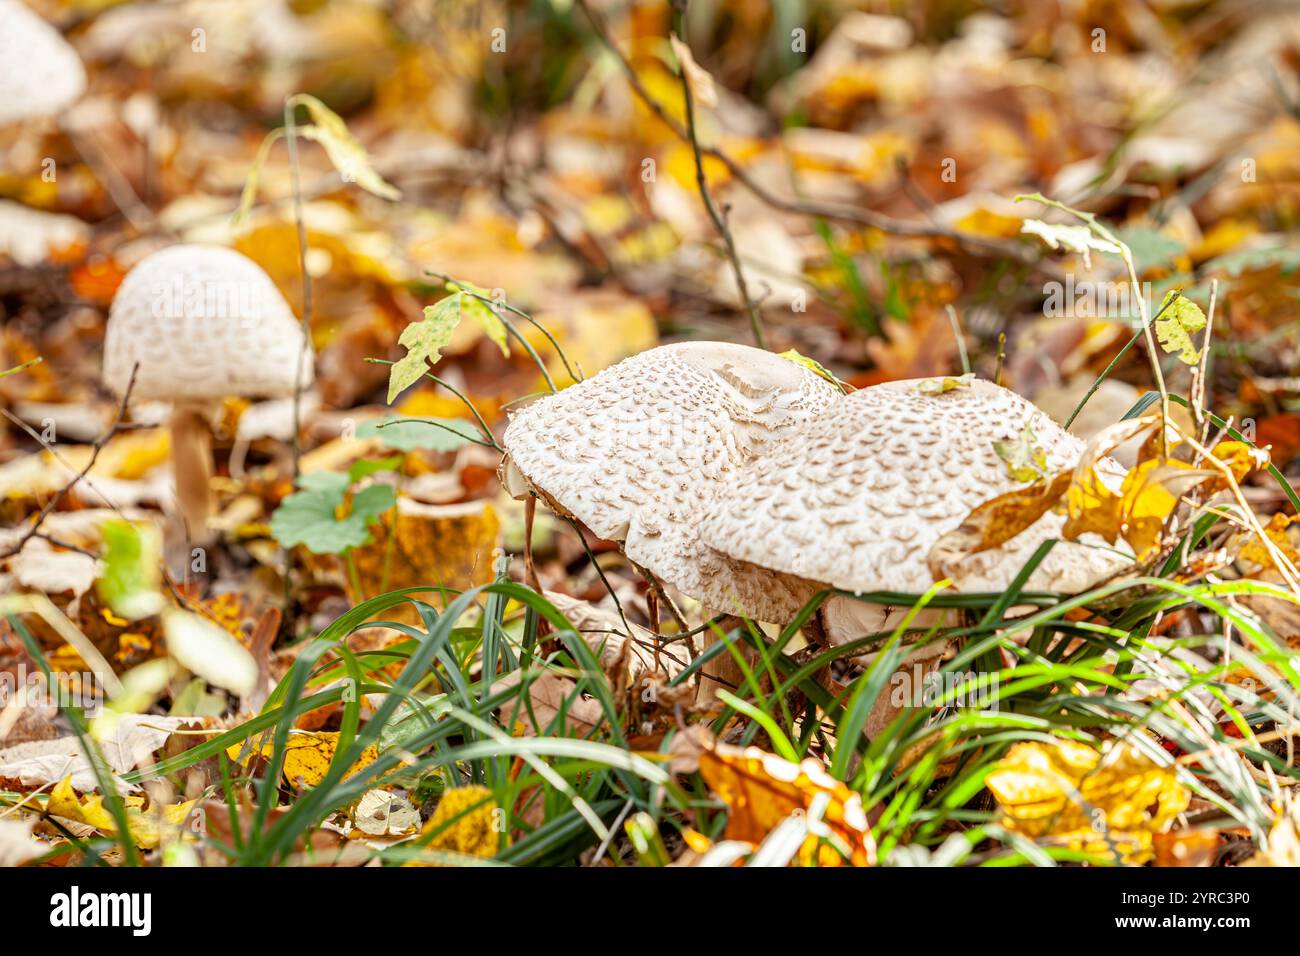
(193, 324)
(40, 74)
(859, 495)
(638, 452)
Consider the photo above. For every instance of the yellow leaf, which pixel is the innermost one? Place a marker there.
(344, 150)
(465, 822)
(307, 757)
(90, 810)
(1178, 318)
(995, 522)
(944, 383)
(812, 365)
(1257, 552)
(761, 790)
(1066, 793)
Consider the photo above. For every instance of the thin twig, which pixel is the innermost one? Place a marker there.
(702, 183)
(95, 449)
(861, 217)
(291, 140)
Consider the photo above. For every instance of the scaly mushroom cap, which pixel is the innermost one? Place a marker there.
(203, 322)
(859, 496)
(638, 451)
(40, 73)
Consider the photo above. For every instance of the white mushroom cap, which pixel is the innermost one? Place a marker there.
(859, 496)
(203, 322)
(637, 453)
(40, 73)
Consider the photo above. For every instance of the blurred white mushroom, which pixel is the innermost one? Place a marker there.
(198, 324)
(40, 74)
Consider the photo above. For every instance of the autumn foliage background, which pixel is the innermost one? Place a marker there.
(864, 159)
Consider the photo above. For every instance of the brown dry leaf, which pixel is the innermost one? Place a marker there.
(1108, 803)
(1283, 847)
(1281, 435)
(697, 78)
(761, 790)
(550, 694)
(996, 522)
(1187, 847)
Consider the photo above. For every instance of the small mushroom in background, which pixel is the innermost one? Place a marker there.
(196, 324)
(859, 495)
(638, 452)
(40, 74)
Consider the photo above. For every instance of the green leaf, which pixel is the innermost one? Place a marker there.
(344, 150)
(1287, 260)
(365, 468)
(132, 569)
(1026, 461)
(1080, 239)
(309, 517)
(478, 310)
(1149, 247)
(424, 341)
(1179, 318)
(410, 434)
(944, 383)
(814, 366)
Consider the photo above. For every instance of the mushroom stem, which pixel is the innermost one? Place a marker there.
(191, 441)
(722, 671)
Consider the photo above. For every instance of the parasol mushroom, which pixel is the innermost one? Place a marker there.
(637, 453)
(194, 324)
(859, 496)
(40, 74)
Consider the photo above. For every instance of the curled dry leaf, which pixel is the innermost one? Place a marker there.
(17, 846)
(697, 78)
(147, 825)
(1110, 803)
(761, 790)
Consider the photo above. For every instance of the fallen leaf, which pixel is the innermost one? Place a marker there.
(208, 651)
(146, 826)
(1110, 803)
(307, 756)
(465, 822)
(761, 790)
(17, 845)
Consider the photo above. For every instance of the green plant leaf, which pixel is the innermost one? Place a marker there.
(481, 313)
(1080, 239)
(424, 341)
(1026, 461)
(410, 434)
(1178, 320)
(944, 383)
(132, 562)
(813, 366)
(344, 150)
(310, 517)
